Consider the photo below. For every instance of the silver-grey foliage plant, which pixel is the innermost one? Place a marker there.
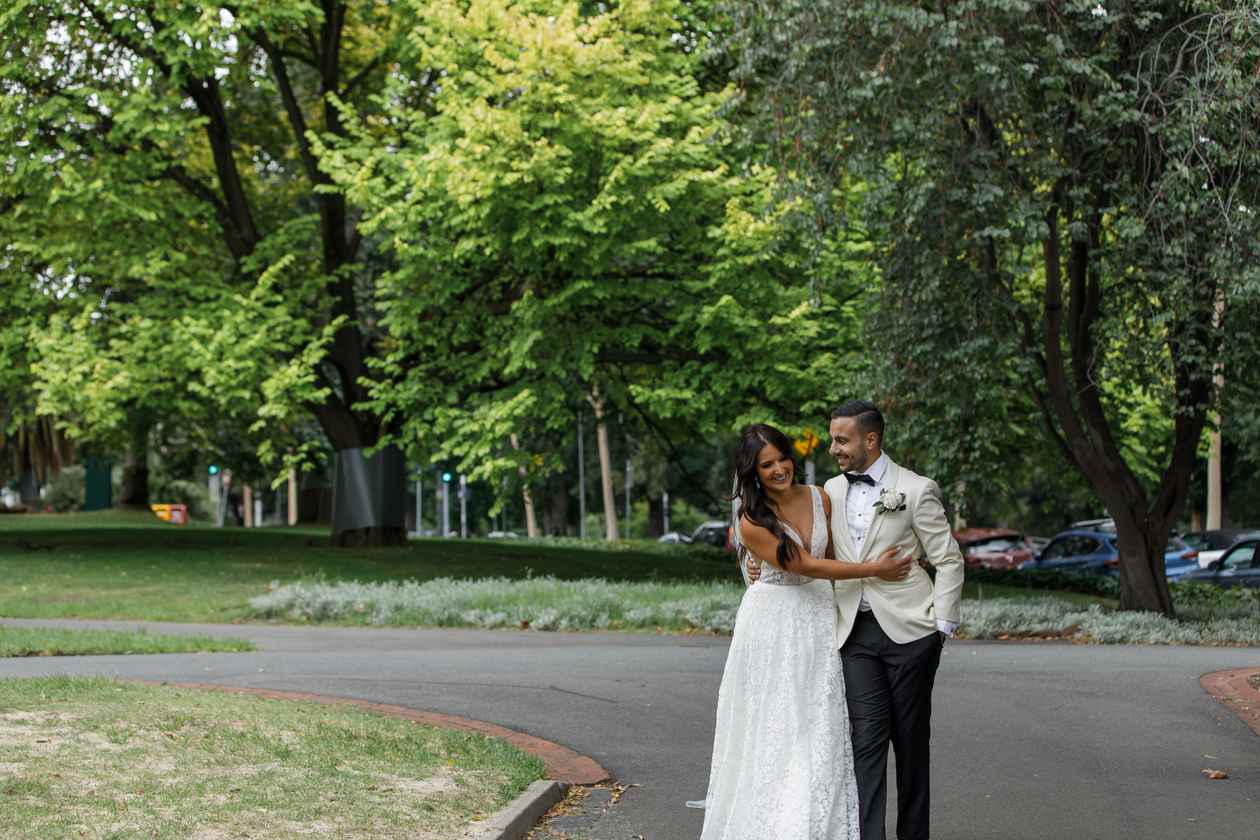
(546, 603)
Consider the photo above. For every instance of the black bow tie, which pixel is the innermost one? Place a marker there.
(859, 478)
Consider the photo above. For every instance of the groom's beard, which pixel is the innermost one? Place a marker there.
(866, 461)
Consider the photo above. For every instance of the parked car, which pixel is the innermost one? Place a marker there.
(1076, 550)
(1095, 551)
(994, 548)
(503, 535)
(1211, 545)
(715, 532)
(1105, 523)
(674, 538)
(1037, 543)
(1239, 566)
(1179, 559)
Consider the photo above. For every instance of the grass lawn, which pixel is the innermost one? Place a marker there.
(124, 565)
(100, 759)
(44, 641)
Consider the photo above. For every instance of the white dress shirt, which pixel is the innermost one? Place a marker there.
(860, 510)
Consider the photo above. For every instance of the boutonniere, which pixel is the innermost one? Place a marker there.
(890, 502)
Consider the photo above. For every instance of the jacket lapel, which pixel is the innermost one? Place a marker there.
(891, 477)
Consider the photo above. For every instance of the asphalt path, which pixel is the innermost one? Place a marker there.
(1034, 741)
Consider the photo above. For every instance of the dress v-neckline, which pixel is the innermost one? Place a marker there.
(813, 515)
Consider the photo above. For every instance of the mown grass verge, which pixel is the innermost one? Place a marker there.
(41, 641)
(96, 758)
(79, 566)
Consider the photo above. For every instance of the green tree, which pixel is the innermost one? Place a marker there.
(1063, 193)
(189, 127)
(572, 218)
(32, 447)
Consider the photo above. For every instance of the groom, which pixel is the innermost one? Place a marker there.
(890, 633)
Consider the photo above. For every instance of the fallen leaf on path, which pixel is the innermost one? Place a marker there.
(1214, 774)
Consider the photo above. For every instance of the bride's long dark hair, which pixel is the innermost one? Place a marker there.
(752, 498)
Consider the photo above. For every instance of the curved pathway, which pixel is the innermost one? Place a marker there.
(1032, 741)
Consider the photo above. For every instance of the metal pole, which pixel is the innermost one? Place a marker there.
(627, 498)
(665, 511)
(419, 506)
(463, 507)
(225, 488)
(293, 496)
(446, 509)
(581, 483)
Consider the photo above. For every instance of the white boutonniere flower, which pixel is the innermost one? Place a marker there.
(890, 502)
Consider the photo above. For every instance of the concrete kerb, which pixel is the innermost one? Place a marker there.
(563, 766)
(1234, 690)
(518, 817)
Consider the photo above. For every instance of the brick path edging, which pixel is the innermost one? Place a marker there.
(562, 764)
(1234, 690)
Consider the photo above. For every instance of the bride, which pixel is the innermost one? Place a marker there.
(782, 764)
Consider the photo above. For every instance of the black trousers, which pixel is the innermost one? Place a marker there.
(889, 692)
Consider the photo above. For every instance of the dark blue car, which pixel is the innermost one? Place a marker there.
(1238, 566)
(1077, 551)
(1094, 551)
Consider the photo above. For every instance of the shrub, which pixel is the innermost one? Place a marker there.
(65, 491)
(1050, 616)
(545, 603)
(541, 603)
(1195, 599)
(193, 494)
(696, 551)
(1089, 584)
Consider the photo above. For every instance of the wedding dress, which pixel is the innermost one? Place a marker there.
(782, 765)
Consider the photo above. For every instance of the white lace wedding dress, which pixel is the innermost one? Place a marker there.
(782, 759)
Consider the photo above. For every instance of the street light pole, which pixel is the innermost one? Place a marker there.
(446, 508)
(463, 507)
(419, 506)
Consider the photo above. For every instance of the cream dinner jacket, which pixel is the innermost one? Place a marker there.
(905, 609)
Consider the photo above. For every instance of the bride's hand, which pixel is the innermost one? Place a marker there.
(891, 567)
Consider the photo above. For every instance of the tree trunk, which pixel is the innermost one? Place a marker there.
(293, 498)
(531, 521)
(605, 468)
(656, 516)
(556, 510)
(134, 491)
(1142, 542)
(368, 496)
(1074, 404)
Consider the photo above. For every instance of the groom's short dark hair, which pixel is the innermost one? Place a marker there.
(868, 416)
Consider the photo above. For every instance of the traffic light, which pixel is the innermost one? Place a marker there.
(214, 469)
(446, 476)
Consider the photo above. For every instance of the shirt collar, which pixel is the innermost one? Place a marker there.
(877, 469)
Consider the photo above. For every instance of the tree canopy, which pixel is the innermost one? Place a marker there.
(1064, 197)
